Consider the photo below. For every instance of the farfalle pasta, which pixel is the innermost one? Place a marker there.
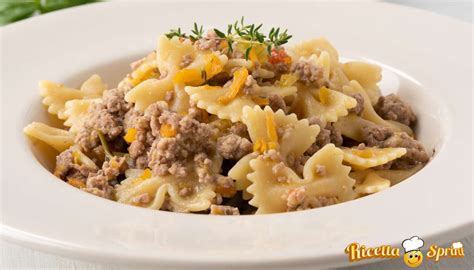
(232, 122)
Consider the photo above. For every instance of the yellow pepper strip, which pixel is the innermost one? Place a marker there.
(76, 182)
(211, 87)
(131, 135)
(262, 101)
(167, 130)
(253, 56)
(261, 145)
(271, 127)
(145, 175)
(143, 72)
(324, 96)
(213, 66)
(189, 76)
(240, 76)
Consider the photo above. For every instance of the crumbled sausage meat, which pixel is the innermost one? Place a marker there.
(415, 155)
(209, 42)
(232, 146)
(325, 136)
(276, 102)
(391, 107)
(65, 167)
(169, 155)
(106, 117)
(359, 108)
(308, 73)
(373, 136)
(297, 200)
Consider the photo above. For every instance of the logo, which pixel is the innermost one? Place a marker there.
(412, 256)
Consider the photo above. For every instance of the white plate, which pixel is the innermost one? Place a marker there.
(427, 61)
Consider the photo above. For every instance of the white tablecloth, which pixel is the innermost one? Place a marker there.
(16, 257)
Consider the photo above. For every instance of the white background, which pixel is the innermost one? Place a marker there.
(16, 257)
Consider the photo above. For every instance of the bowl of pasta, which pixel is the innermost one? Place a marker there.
(177, 138)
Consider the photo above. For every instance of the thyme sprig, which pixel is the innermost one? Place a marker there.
(198, 32)
(176, 33)
(240, 32)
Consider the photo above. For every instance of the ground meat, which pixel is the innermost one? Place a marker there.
(224, 210)
(203, 168)
(209, 42)
(374, 136)
(114, 167)
(98, 184)
(297, 163)
(66, 168)
(232, 146)
(415, 155)
(114, 101)
(144, 135)
(106, 117)
(325, 136)
(360, 104)
(391, 107)
(158, 114)
(297, 200)
(169, 155)
(295, 197)
(250, 86)
(271, 155)
(276, 102)
(308, 73)
(239, 129)
(101, 183)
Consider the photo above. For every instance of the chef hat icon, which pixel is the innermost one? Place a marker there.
(414, 243)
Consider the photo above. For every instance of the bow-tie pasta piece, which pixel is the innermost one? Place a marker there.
(326, 104)
(239, 173)
(371, 156)
(395, 176)
(367, 74)
(75, 113)
(56, 95)
(167, 192)
(228, 102)
(275, 130)
(142, 69)
(170, 54)
(324, 175)
(179, 65)
(369, 112)
(57, 138)
(268, 130)
(373, 183)
(314, 46)
(352, 126)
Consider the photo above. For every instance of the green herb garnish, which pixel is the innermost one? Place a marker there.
(175, 33)
(239, 32)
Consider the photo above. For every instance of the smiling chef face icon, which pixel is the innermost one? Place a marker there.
(413, 256)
